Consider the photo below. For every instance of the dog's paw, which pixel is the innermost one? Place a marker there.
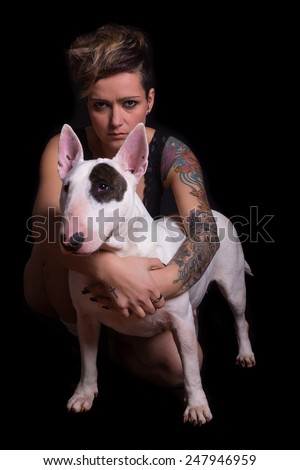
(82, 399)
(246, 360)
(197, 415)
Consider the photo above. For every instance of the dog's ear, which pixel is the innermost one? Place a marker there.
(133, 155)
(69, 150)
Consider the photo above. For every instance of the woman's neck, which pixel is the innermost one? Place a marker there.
(95, 144)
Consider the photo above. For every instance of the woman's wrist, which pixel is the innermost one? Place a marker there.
(102, 264)
(165, 279)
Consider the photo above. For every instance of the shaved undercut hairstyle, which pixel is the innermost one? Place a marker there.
(109, 50)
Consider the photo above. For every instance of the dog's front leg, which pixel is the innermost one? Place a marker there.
(197, 410)
(87, 388)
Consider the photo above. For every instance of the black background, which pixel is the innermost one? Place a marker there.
(217, 82)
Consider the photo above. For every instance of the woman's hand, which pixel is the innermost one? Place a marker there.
(128, 285)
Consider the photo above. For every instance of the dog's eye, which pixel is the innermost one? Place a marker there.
(66, 187)
(103, 187)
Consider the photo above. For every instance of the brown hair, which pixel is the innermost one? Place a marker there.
(109, 50)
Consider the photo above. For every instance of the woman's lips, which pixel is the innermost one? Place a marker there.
(117, 136)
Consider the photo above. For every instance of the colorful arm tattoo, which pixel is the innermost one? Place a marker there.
(202, 242)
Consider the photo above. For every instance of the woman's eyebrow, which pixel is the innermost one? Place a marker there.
(124, 98)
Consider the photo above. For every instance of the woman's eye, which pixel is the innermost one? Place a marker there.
(99, 105)
(130, 103)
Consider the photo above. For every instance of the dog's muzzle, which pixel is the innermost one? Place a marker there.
(75, 242)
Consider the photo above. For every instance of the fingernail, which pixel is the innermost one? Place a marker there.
(85, 291)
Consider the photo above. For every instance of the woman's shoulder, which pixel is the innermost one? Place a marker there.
(53, 140)
(169, 138)
(51, 146)
(176, 142)
(157, 138)
(155, 135)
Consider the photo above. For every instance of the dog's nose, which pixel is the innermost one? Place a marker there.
(74, 243)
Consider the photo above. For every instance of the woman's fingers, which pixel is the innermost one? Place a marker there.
(138, 311)
(158, 301)
(139, 297)
(148, 308)
(96, 289)
(106, 303)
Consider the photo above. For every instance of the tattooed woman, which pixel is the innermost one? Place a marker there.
(114, 71)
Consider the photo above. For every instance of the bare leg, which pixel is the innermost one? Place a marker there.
(154, 359)
(46, 288)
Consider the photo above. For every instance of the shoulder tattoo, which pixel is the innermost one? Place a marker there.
(181, 159)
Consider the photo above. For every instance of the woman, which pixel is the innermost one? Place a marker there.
(114, 71)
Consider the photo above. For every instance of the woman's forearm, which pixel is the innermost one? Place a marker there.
(196, 252)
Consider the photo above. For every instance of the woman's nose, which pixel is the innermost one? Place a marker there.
(116, 116)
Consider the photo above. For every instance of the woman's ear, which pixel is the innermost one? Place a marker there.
(151, 97)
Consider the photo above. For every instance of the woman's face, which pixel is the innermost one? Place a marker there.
(116, 105)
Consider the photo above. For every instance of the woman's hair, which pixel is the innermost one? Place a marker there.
(109, 50)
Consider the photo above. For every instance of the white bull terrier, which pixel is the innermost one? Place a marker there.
(97, 193)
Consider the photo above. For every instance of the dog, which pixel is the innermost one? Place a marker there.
(92, 192)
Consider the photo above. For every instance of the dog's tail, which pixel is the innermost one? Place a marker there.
(248, 269)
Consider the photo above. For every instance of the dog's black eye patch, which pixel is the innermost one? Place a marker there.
(107, 184)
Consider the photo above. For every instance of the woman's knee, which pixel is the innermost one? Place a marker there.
(34, 291)
(155, 359)
(169, 368)
(165, 371)
(169, 373)
(46, 288)
(57, 288)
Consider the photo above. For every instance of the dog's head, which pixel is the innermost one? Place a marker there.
(97, 195)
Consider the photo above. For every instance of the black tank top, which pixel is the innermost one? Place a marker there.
(153, 183)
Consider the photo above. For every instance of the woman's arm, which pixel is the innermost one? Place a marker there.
(181, 171)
